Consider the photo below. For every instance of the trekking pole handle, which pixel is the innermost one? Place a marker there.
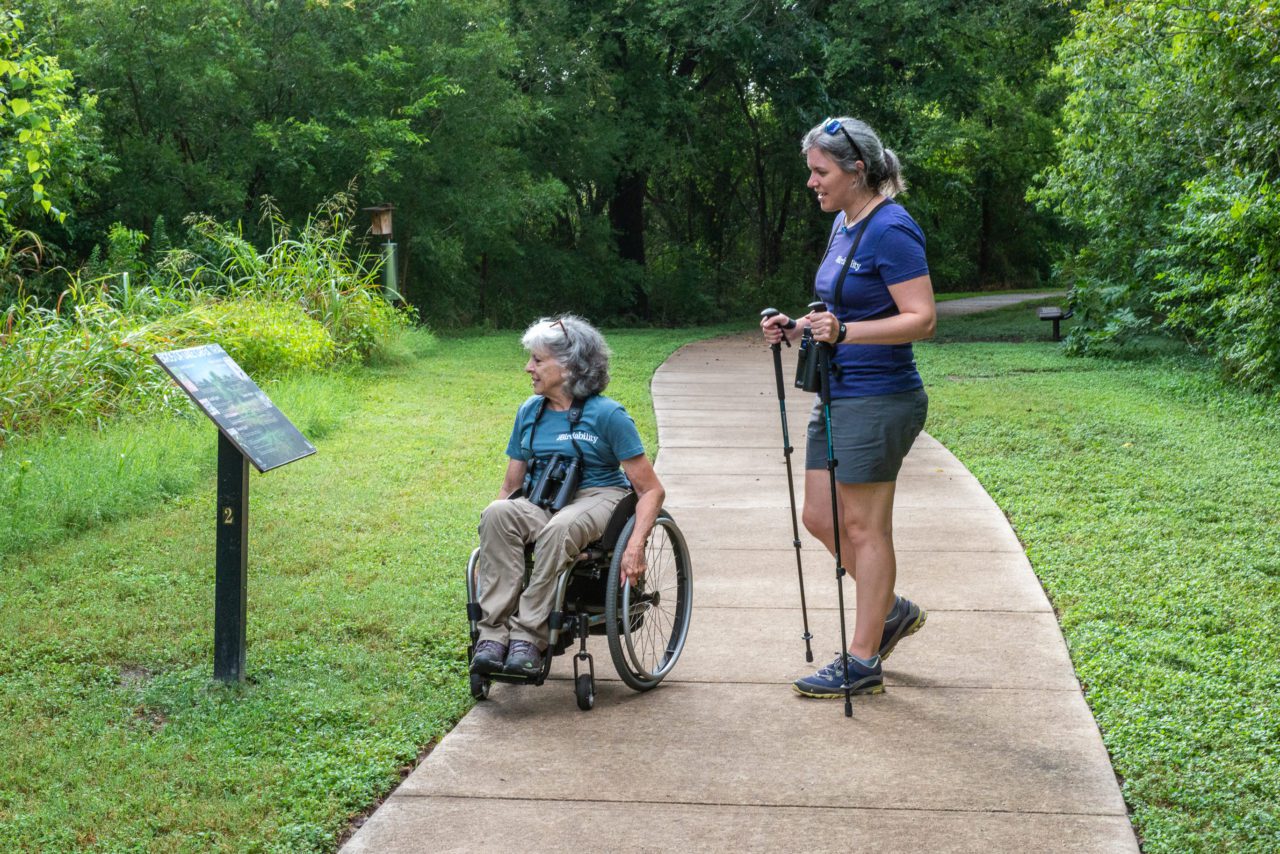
(818, 305)
(790, 324)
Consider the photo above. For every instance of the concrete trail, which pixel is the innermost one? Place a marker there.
(981, 742)
(974, 305)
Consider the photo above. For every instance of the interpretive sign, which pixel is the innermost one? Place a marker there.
(234, 402)
(250, 429)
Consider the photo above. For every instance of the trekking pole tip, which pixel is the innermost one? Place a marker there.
(848, 705)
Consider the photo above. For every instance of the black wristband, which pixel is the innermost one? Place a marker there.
(844, 330)
(790, 324)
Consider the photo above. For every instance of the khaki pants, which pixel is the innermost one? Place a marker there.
(506, 526)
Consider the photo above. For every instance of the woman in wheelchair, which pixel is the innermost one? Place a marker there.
(574, 454)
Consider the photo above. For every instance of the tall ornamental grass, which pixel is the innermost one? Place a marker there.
(85, 361)
(314, 268)
(305, 303)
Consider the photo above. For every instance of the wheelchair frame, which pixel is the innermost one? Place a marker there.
(620, 611)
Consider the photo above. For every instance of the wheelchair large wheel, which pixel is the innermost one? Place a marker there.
(647, 623)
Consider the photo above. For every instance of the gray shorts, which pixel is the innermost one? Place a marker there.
(870, 435)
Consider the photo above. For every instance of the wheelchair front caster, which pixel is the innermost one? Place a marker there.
(584, 687)
(479, 687)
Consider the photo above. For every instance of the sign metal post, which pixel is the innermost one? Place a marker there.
(231, 584)
(250, 430)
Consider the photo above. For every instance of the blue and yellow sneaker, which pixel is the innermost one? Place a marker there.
(828, 683)
(906, 618)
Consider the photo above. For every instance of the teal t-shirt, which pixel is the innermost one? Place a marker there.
(605, 434)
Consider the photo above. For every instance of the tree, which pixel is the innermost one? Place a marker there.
(635, 161)
(210, 105)
(959, 91)
(1169, 163)
(44, 138)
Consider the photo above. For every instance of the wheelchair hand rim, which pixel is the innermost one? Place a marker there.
(640, 601)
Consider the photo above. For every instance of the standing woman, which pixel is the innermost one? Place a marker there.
(875, 282)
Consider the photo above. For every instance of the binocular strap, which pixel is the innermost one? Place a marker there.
(575, 415)
(853, 251)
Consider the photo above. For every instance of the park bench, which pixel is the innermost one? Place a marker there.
(1057, 315)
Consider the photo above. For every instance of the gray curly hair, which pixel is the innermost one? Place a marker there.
(577, 347)
(883, 171)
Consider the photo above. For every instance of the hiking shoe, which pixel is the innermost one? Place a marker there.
(909, 620)
(490, 654)
(524, 659)
(828, 683)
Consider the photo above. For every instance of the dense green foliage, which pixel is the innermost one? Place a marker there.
(1169, 163)
(43, 147)
(115, 737)
(634, 160)
(1144, 493)
(638, 161)
(303, 304)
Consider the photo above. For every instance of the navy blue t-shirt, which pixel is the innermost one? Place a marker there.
(891, 251)
(605, 434)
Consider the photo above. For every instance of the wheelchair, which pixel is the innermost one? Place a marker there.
(646, 624)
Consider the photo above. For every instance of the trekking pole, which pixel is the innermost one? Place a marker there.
(824, 370)
(791, 489)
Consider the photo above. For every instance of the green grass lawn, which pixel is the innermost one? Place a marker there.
(113, 734)
(1146, 494)
(1144, 491)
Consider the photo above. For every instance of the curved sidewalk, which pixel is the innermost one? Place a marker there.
(981, 742)
(990, 302)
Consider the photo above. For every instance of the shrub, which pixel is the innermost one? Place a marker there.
(124, 255)
(265, 337)
(1221, 286)
(315, 269)
(1168, 165)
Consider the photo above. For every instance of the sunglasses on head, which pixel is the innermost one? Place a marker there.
(560, 323)
(833, 126)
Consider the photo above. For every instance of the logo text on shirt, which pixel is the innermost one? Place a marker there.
(580, 435)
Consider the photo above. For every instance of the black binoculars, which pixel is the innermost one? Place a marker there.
(557, 483)
(808, 377)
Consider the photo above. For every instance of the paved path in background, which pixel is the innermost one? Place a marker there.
(974, 305)
(981, 742)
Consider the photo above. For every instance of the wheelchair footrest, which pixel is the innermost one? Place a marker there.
(516, 679)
